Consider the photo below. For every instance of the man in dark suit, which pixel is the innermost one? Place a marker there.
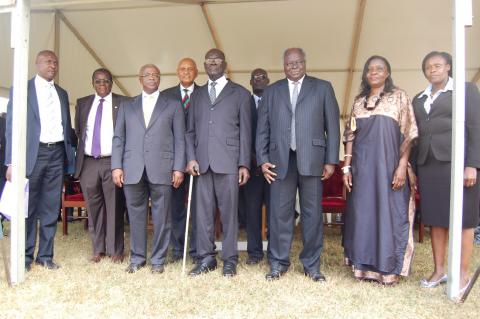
(95, 118)
(297, 146)
(255, 193)
(218, 152)
(148, 157)
(48, 149)
(186, 72)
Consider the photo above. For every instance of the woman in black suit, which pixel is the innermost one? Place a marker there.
(433, 112)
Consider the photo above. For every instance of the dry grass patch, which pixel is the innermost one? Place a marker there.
(80, 289)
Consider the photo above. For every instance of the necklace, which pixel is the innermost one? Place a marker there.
(377, 101)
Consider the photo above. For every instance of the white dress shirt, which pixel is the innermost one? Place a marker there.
(106, 128)
(257, 100)
(221, 82)
(431, 98)
(50, 111)
(290, 86)
(148, 103)
(189, 90)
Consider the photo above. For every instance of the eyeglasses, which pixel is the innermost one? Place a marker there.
(259, 77)
(213, 61)
(294, 64)
(102, 81)
(147, 75)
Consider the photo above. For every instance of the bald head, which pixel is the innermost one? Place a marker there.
(47, 64)
(187, 72)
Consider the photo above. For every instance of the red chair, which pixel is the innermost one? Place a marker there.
(74, 200)
(333, 200)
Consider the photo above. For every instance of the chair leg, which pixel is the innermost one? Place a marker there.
(421, 232)
(264, 222)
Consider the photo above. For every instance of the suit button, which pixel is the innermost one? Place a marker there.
(210, 122)
(211, 109)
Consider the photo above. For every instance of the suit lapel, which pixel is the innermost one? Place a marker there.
(420, 107)
(138, 109)
(306, 87)
(285, 94)
(63, 106)
(226, 91)
(115, 105)
(159, 106)
(85, 112)
(33, 100)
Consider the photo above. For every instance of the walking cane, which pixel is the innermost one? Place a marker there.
(189, 204)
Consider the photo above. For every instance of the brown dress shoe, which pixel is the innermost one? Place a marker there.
(97, 257)
(117, 259)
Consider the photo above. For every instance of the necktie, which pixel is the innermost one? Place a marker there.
(293, 142)
(97, 127)
(213, 92)
(186, 100)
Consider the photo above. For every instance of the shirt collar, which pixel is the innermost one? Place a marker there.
(107, 98)
(154, 94)
(428, 90)
(299, 81)
(221, 81)
(190, 88)
(41, 81)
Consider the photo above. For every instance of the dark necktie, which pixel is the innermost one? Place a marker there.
(97, 127)
(186, 100)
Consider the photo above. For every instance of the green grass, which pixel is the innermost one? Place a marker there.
(80, 289)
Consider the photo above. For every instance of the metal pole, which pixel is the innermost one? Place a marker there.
(458, 126)
(185, 243)
(20, 44)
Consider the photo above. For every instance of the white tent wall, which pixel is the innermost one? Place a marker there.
(251, 34)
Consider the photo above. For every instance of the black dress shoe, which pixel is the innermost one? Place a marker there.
(315, 276)
(253, 260)
(229, 269)
(157, 269)
(202, 268)
(134, 267)
(47, 264)
(275, 273)
(176, 258)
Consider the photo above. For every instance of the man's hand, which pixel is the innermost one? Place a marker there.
(268, 173)
(117, 176)
(469, 176)
(328, 170)
(193, 168)
(243, 176)
(8, 174)
(177, 178)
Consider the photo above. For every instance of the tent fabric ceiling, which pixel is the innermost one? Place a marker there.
(128, 34)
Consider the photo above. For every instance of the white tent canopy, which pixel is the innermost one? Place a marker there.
(127, 34)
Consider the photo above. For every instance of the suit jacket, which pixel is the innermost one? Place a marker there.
(82, 110)
(435, 128)
(219, 136)
(158, 148)
(316, 125)
(174, 92)
(33, 127)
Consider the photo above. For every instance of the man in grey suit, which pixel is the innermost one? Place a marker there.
(297, 145)
(95, 118)
(218, 152)
(187, 72)
(49, 149)
(148, 156)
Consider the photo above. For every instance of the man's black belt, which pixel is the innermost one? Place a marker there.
(98, 157)
(52, 144)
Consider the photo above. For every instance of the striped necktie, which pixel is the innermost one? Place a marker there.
(213, 92)
(186, 100)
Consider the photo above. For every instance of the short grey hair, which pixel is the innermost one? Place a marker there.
(304, 55)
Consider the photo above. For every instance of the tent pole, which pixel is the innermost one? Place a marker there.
(357, 31)
(20, 44)
(458, 127)
(56, 41)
